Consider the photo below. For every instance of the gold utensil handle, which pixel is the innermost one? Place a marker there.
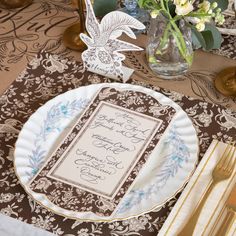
(190, 225)
(227, 223)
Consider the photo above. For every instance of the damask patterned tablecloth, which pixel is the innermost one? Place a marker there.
(49, 75)
(24, 32)
(39, 27)
(228, 47)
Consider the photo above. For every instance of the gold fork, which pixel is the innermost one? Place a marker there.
(221, 171)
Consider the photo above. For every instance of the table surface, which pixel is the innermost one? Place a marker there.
(39, 27)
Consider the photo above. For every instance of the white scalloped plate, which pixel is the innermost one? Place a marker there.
(167, 170)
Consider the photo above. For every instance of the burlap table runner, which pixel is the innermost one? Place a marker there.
(43, 80)
(24, 32)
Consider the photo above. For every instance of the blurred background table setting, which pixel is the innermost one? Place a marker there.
(64, 62)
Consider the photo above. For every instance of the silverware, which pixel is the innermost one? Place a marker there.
(230, 216)
(221, 171)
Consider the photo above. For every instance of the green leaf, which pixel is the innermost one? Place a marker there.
(222, 4)
(141, 3)
(207, 35)
(102, 7)
(208, 39)
(172, 9)
(149, 4)
(212, 37)
(195, 41)
(198, 39)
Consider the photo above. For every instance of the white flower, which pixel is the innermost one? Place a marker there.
(7, 211)
(53, 64)
(219, 18)
(42, 223)
(180, 2)
(214, 5)
(43, 184)
(194, 20)
(83, 232)
(183, 7)
(137, 224)
(35, 62)
(200, 26)
(205, 6)
(154, 13)
(176, 96)
(205, 118)
(6, 197)
(210, 11)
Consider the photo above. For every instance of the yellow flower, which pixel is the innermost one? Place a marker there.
(183, 7)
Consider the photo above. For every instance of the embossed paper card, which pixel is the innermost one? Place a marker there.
(99, 160)
(103, 55)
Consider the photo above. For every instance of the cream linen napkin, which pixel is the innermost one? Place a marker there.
(14, 227)
(211, 215)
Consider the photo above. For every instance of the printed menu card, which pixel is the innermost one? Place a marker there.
(98, 161)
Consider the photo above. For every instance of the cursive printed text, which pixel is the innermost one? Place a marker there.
(101, 166)
(85, 174)
(132, 128)
(100, 141)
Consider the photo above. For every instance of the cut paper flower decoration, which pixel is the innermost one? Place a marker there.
(103, 54)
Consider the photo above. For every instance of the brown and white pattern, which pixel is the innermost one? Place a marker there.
(134, 101)
(228, 47)
(40, 26)
(24, 32)
(36, 85)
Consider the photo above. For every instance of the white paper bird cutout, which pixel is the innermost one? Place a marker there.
(102, 55)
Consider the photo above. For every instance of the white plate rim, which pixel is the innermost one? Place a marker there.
(73, 215)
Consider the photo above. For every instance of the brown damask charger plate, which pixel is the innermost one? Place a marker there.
(115, 154)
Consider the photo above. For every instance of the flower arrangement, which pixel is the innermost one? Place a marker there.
(201, 16)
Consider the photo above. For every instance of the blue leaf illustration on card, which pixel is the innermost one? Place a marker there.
(175, 154)
(53, 123)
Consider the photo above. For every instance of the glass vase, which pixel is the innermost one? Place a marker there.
(131, 8)
(169, 49)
